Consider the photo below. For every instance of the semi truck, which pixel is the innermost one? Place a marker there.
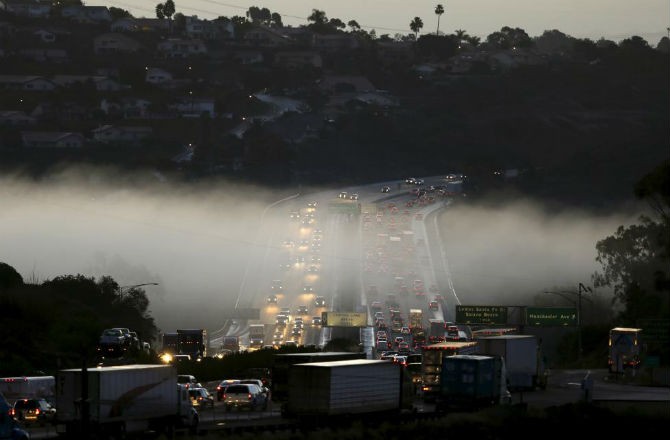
(27, 387)
(415, 320)
(230, 343)
(192, 342)
(122, 399)
(320, 390)
(625, 349)
(431, 364)
(436, 331)
(523, 359)
(470, 382)
(256, 335)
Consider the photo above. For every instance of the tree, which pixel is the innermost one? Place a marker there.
(439, 10)
(353, 24)
(275, 20)
(318, 17)
(117, 13)
(9, 277)
(169, 9)
(636, 259)
(508, 38)
(416, 25)
(461, 34)
(159, 11)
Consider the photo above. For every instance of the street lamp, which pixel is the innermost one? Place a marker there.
(580, 290)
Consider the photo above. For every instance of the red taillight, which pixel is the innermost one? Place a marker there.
(249, 396)
(12, 412)
(218, 388)
(37, 411)
(224, 397)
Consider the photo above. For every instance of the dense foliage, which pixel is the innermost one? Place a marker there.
(57, 324)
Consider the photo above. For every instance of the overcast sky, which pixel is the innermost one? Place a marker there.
(612, 19)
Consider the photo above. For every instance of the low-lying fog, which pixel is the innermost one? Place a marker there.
(197, 241)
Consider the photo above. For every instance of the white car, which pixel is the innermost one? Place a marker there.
(353, 197)
(343, 195)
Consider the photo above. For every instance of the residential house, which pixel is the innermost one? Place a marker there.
(87, 14)
(209, 30)
(180, 48)
(395, 52)
(345, 83)
(248, 57)
(117, 135)
(27, 8)
(511, 58)
(15, 118)
(298, 59)
(113, 43)
(335, 42)
(64, 111)
(101, 83)
(156, 75)
(266, 37)
(190, 107)
(125, 24)
(26, 82)
(128, 108)
(45, 36)
(44, 55)
(153, 24)
(49, 139)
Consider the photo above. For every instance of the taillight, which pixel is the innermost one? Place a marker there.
(224, 397)
(218, 388)
(249, 396)
(37, 411)
(12, 412)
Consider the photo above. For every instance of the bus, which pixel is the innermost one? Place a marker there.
(625, 349)
(431, 364)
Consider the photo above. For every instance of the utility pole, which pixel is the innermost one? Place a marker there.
(581, 289)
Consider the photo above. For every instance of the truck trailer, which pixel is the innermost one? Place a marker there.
(345, 388)
(470, 382)
(121, 399)
(523, 361)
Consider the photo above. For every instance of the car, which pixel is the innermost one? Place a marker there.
(33, 411)
(296, 331)
(433, 305)
(272, 299)
(201, 398)
(320, 301)
(308, 289)
(315, 259)
(410, 180)
(294, 215)
(405, 330)
(277, 286)
(189, 380)
(244, 395)
(381, 334)
(302, 310)
(311, 206)
(312, 269)
(353, 197)
(399, 339)
(403, 347)
(386, 189)
(289, 344)
(221, 387)
(260, 384)
(298, 324)
(316, 320)
(343, 195)
(281, 320)
(285, 311)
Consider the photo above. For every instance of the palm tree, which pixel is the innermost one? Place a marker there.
(439, 10)
(416, 25)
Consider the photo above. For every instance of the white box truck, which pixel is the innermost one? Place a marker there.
(348, 387)
(523, 361)
(125, 398)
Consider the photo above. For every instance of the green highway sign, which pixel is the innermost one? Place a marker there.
(551, 316)
(481, 315)
(344, 207)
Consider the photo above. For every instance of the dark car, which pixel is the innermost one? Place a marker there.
(201, 398)
(221, 388)
(33, 411)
